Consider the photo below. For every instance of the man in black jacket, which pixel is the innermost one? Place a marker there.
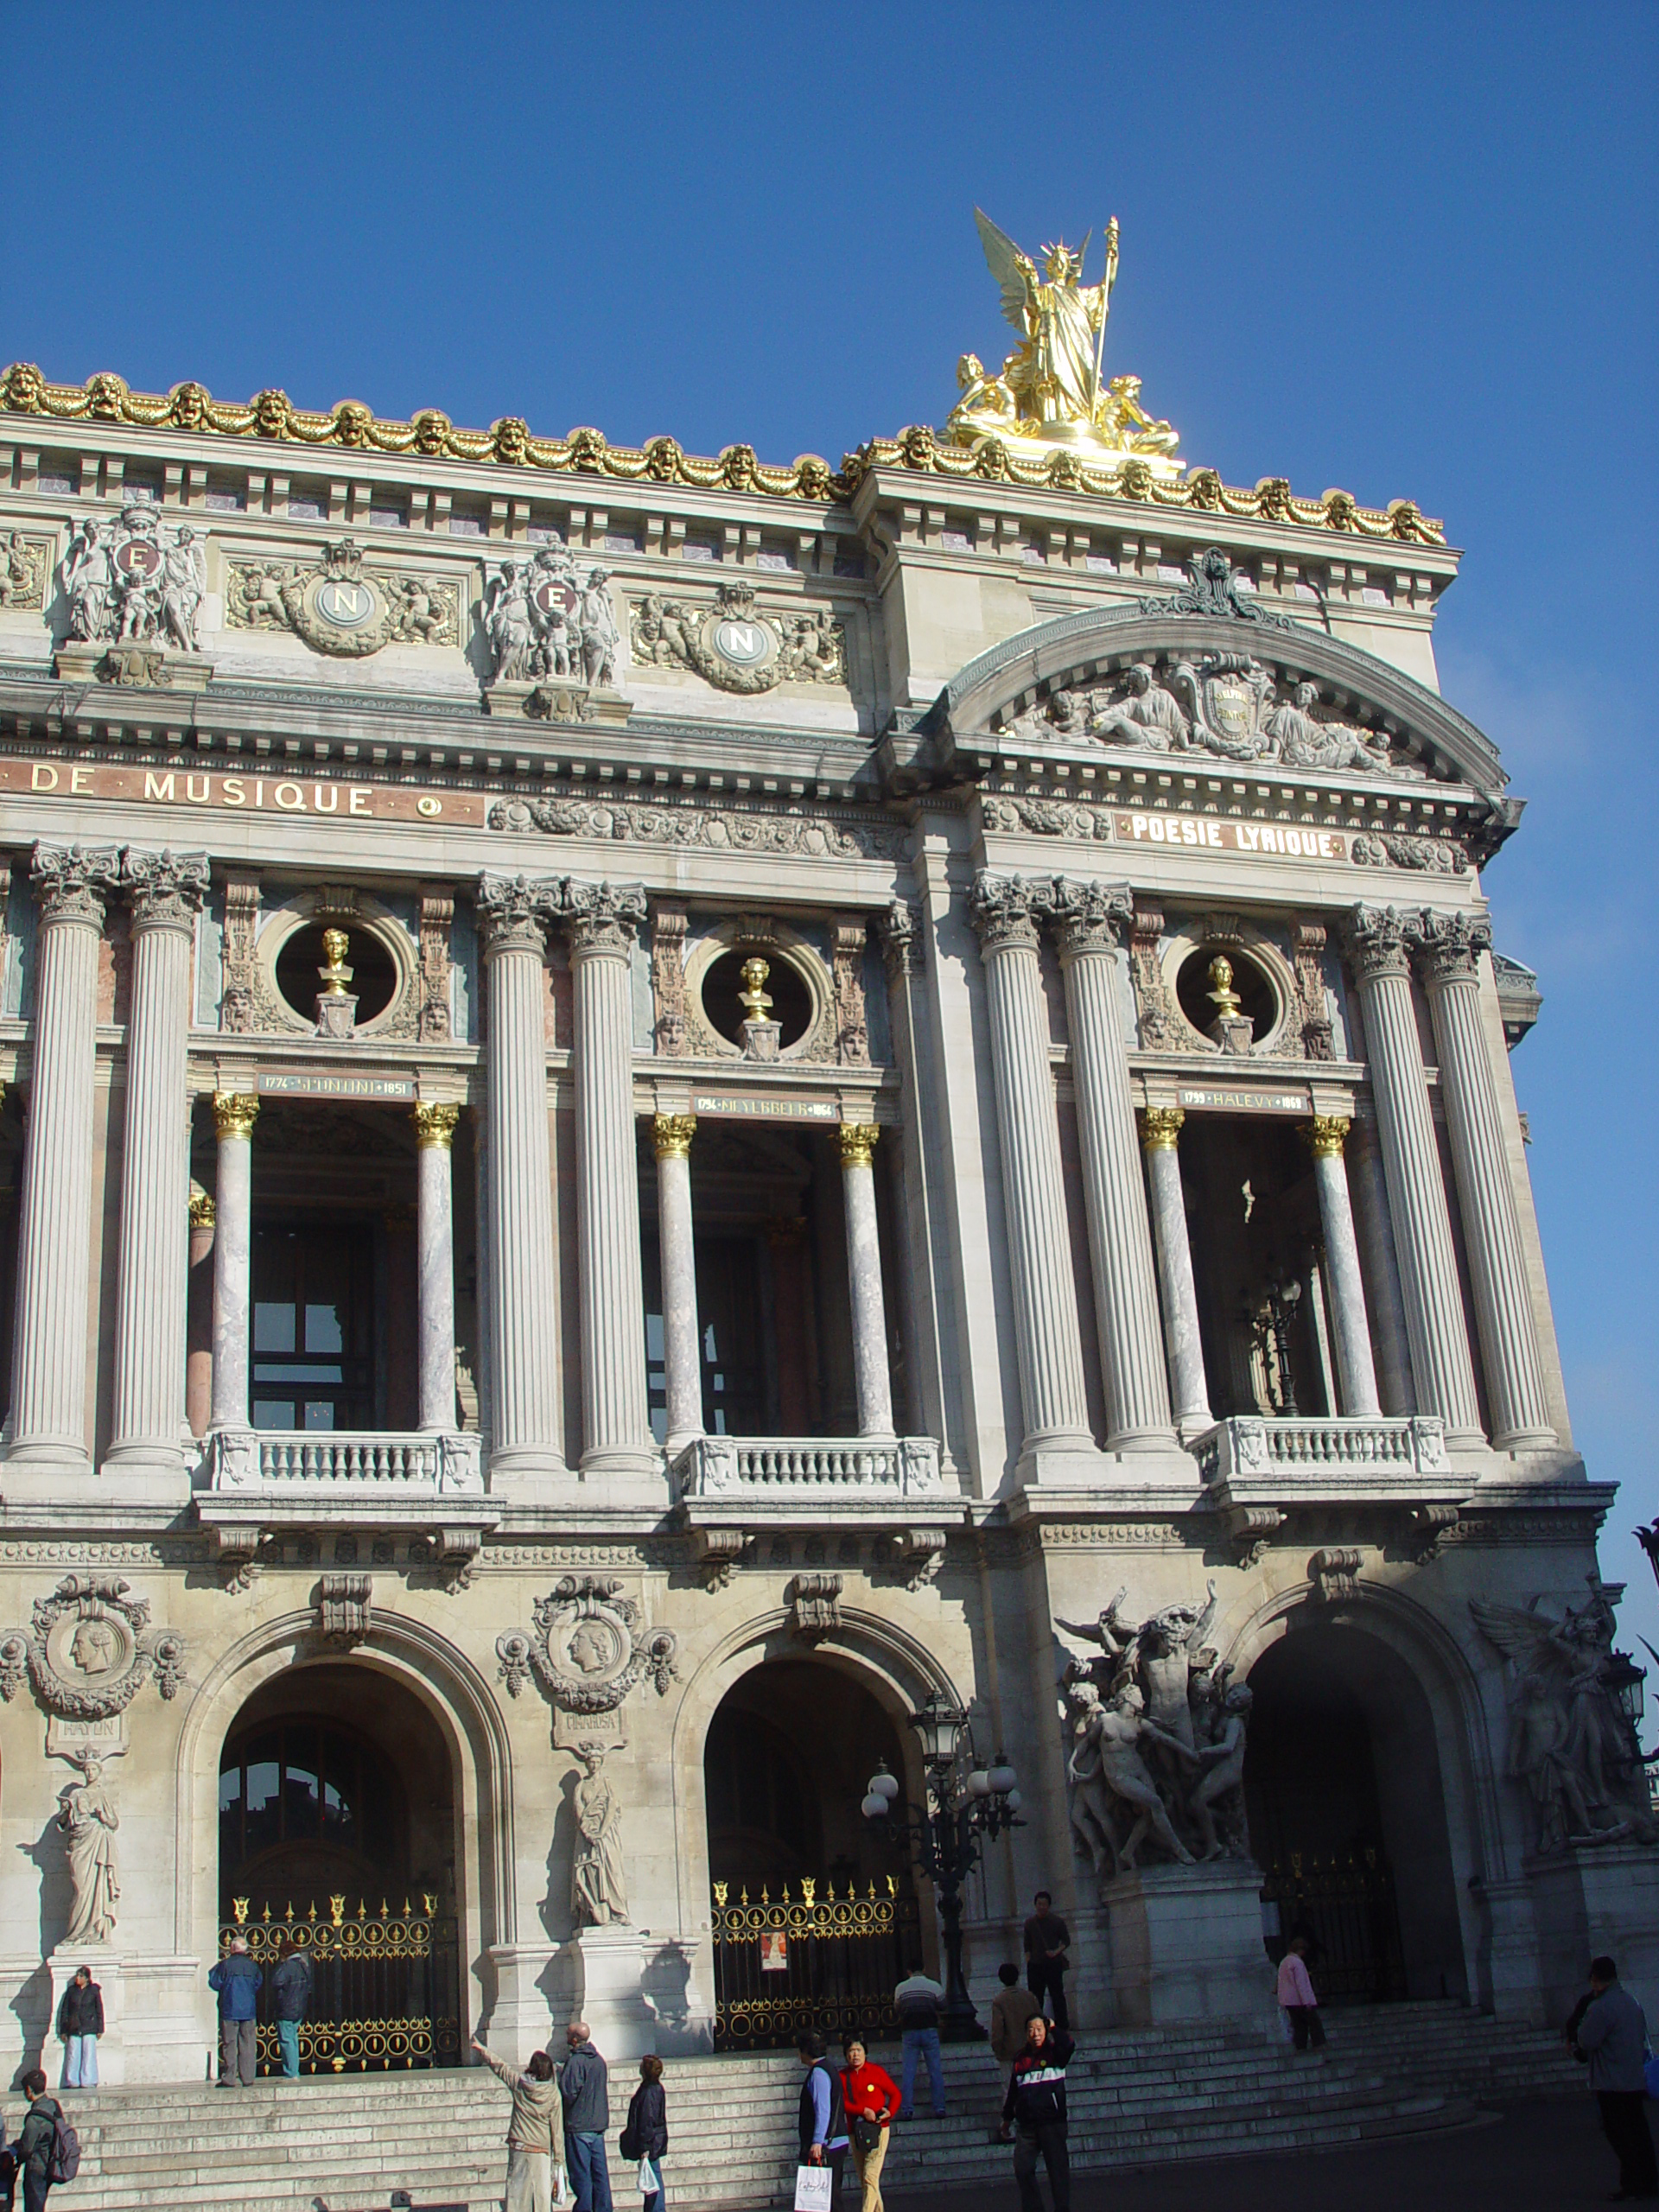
(290, 2000)
(35, 2144)
(824, 2139)
(1036, 2106)
(584, 2088)
(80, 2022)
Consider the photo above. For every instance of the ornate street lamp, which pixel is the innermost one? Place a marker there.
(965, 1803)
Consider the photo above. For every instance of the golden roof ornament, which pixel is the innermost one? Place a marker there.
(1052, 392)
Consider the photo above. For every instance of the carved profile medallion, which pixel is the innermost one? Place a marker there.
(89, 1649)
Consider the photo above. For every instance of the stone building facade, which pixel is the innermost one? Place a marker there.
(657, 1113)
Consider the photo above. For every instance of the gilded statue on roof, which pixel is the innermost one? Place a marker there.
(1051, 389)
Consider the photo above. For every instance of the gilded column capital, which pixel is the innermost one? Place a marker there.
(204, 1210)
(1377, 943)
(1449, 945)
(435, 1124)
(1089, 917)
(235, 1112)
(513, 912)
(73, 882)
(672, 1134)
(857, 1143)
(1161, 1128)
(603, 919)
(899, 928)
(1326, 1136)
(164, 890)
(1004, 910)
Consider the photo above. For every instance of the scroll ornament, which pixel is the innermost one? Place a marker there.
(89, 1649)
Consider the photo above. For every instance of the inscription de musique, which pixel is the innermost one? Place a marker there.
(255, 792)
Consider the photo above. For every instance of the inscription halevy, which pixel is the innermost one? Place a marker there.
(1205, 1099)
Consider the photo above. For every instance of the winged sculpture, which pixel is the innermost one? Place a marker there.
(1050, 390)
(1571, 1741)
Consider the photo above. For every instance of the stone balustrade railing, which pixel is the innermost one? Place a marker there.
(763, 1466)
(1263, 1447)
(399, 1463)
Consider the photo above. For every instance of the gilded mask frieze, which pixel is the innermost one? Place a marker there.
(731, 645)
(339, 607)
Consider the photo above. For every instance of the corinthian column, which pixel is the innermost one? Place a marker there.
(602, 921)
(1440, 1363)
(524, 1318)
(671, 1135)
(234, 1115)
(1092, 921)
(1326, 1136)
(49, 1353)
(1450, 945)
(1161, 1133)
(435, 1132)
(857, 1143)
(1046, 1337)
(165, 892)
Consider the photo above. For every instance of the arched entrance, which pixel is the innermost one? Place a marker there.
(1347, 1814)
(337, 1834)
(814, 1919)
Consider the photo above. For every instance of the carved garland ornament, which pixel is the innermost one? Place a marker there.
(340, 608)
(90, 1649)
(729, 831)
(590, 1648)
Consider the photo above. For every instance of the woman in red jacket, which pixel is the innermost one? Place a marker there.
(872, 2098)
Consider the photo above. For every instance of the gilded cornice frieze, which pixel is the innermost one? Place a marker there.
(509, 441)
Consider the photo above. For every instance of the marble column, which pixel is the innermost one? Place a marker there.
(435, 1132)
(1449, 947)
(1442, 1367)
(523, 1292)
(234, 1115)
(603, 920)
(165, 892)
(1356, 1375)
(1385, 1301)
(671, 1135)
(1047, 1339)
(198, 1318)
(856, 1140)
(1091, 922)
(1160, 1132)
(50, 1347)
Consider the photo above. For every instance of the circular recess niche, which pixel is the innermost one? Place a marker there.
(1255, 990)
(374, 972)
(791, 1001)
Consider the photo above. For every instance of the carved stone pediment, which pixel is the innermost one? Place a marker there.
(89, 1649)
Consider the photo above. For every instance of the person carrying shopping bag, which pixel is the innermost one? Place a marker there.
(644, 2136)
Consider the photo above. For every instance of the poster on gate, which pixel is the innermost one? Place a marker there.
(774, 1952)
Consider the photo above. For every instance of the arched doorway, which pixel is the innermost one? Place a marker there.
(815, 1919)
(1347, 1814)
(337, 1835)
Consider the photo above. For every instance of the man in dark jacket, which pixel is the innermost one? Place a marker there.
(290, 2000)
(584, 2084)
(1611, 2032)
(35, 2144)
(80, 2022)
(824, 2139)
(236, 1982)
(1036, 2106)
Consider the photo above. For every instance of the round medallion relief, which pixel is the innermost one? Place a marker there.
(348, 606)
(746, 645)
(594, 1649)
(93, 1649)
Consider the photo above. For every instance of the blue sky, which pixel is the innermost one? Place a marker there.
(1407, 250)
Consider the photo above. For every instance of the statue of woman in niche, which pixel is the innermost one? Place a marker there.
(87, 1815)
(599, 1894)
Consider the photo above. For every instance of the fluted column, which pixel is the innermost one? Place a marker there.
(50, 1355)
(1160, 1132)
(671, 1135)
(1091, 921)
(435, 1132)
(1450, 945)
(523, 1311)
(234, 1115)
(603, 920)
(165, 892)
(1442, 1366)
(856, 1140)
(1385, 1301)
(1326, 1136)
(1046, 1336)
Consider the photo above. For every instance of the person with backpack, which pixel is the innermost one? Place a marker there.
(918, 2000)
(80, 2022)
(644, 2136)
(48, 2150)
(236, 1981)
(290, 2000)
(1035, 2107)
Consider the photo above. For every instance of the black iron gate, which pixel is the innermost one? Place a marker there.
(814, 1961)
(385, 1988)
(1346, 1902)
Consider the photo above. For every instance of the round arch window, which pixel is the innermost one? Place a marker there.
(1199, 982)
(373, 980)
(785, 985)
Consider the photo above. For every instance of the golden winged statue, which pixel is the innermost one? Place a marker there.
(1051, 389)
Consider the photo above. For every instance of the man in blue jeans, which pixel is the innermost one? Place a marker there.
(583, 2087)
(920, 2002)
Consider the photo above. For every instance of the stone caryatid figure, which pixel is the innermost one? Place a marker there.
(508, 627)
(88, 1817)
(89, 579)
(599, 1894)
(596, 630)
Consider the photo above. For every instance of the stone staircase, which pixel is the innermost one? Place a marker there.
(345, 2143)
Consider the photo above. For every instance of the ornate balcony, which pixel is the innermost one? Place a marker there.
(790, 1469)
(1254, 1470)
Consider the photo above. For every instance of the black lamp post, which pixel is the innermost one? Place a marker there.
(964, 1802)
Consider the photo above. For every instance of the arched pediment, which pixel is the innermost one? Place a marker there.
(1236, 682)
